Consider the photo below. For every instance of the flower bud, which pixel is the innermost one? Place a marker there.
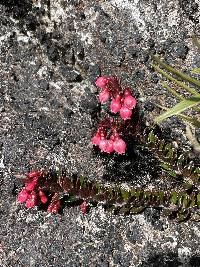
(109, 147)
(130, 102)
(104, 96)
(103, 144)
(84, 207)
(50, 207)
(96, 139)
(31, 185)
(54, 207)
(101, 82)
(119, 146)
(43, 197)
(32, 200)
(22, 196)
(125, 113)
(115, 105)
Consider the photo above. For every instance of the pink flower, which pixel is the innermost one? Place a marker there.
(104, 96)
(119, 146)
(50, 207)
(32, 200)
(115, 105)
(114, 136)
(54, 207)
(31, 185)
(96, 139)
(43, 198)
(101, 82)
(22, 196)
(84, 207)
(109, 147)
(130, 102)
(103, 144)
(125, 113)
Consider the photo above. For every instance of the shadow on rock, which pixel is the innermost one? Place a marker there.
(137, 165)
(171, 260)
(18, 8)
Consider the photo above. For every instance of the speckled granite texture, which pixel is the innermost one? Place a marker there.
(51, 51)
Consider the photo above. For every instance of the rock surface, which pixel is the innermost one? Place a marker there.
(51, 53)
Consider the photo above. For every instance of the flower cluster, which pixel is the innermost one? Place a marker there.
(32, 195)
(111, 144)
(122, 101)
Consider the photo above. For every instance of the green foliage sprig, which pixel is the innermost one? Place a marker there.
(182, 80)
(174, 162)
(120, 200)
(56, 187)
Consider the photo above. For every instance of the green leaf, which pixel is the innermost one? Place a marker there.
(180, 74)
(180, 107)
(152, 137)
(183, 215)
(83, 181)
(124, 210)
(136, 210)
(172, 91)
(198, 200)
(172, 79)
(125, 194)
(186, 200)
(192, 120)
(196, 71)
(177, 95)
(180, 161)
(165, 165)
(174, 198)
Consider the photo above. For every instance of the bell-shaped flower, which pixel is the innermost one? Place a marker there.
(43, 197)
(96, 139)
(30, 186)
(103, 144)
(101, 82)
(109, 147)
(54, 207)
(115, 105)
(104, 96)
(130, 102)
(119, 146)
(32, 200)
(22, 196)
(125, 113)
